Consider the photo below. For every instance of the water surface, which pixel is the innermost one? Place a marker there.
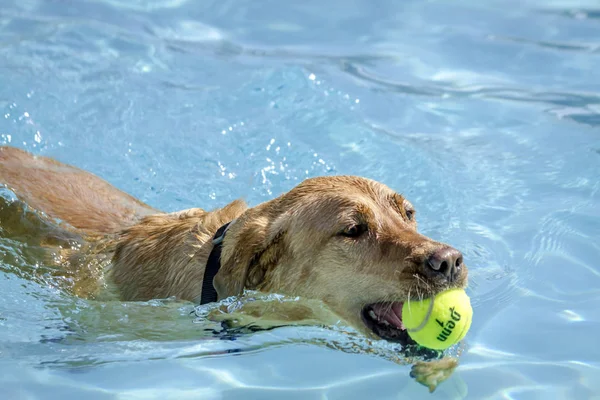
(486, 115)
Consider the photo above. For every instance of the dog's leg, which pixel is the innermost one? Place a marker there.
(263, 315)
(432, 373)
(49, 251)
(70, 194)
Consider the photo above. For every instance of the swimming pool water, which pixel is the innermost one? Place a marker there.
(486, 115)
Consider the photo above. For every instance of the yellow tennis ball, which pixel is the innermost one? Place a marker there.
(438, 322)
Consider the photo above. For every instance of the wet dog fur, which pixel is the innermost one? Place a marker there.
(343, 240)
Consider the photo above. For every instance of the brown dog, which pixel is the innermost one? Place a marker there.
(349, 242)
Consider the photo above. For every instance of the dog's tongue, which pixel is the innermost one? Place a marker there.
(392, 313)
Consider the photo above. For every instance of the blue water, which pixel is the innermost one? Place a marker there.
(486, 115)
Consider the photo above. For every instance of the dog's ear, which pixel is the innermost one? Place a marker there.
(251, 249)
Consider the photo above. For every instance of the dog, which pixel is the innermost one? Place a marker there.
(349, 242)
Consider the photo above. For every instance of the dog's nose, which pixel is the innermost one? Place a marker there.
(446, 261)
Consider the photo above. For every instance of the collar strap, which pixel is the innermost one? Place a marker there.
(209, 293)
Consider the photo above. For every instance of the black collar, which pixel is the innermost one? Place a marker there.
(209, 293)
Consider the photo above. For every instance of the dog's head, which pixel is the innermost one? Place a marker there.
(348, 241)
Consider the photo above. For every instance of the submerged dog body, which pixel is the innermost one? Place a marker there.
(347, 241)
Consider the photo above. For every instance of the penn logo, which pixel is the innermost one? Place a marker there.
(449, 325)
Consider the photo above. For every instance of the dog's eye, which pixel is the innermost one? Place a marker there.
(354, 231)
(409, 210)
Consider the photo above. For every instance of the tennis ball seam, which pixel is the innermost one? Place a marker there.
(424, 321)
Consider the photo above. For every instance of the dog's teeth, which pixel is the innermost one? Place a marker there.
(385, 323)
(372, 314)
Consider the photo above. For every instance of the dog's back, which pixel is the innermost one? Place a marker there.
(152, 254)
(79, 198)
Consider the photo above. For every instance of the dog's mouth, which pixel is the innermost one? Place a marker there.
(385, 320)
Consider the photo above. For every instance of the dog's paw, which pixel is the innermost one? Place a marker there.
(432, 373)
